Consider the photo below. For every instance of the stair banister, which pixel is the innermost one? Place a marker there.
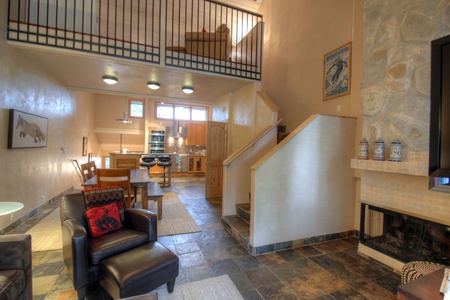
(236, 171)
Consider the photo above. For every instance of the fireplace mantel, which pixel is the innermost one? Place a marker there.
(417, 168)
(402, 187)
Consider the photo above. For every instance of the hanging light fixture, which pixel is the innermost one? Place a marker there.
(153, 85)
(110, 79)
(125, 119)
(187, 89)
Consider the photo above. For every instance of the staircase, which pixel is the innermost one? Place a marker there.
(281, 133)
(239, 225)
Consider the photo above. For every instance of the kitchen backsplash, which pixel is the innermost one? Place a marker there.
(186, 149)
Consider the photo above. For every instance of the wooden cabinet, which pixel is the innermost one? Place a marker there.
(196, 134)
(196, 164)
(125, 161)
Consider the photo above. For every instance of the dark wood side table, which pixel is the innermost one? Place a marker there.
(424, 288)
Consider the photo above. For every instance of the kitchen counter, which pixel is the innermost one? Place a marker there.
(181, 163)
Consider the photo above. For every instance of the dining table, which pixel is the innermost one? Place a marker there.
(9, 207)
(139, 178)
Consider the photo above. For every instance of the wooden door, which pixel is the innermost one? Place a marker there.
(216, 152)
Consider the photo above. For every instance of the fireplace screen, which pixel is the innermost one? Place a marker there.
(403, 237)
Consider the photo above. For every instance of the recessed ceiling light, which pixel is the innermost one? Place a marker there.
(187, 89)
(110, 79)
(153, 85)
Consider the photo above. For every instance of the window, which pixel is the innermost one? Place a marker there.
(136, 108)
(164, 111)
(198, 114)
(181, 112)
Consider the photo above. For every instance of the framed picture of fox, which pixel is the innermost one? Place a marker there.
(26, 130)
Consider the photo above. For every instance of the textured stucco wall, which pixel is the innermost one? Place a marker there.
(297, 35)
(36, 175)
(395, 97)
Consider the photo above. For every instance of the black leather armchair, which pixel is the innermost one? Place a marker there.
(83, 254)
(15, 267)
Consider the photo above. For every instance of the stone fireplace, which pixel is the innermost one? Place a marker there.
(395, 104)
(404, 237)
(401, 190)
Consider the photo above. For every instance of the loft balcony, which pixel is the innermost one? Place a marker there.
(201, 35)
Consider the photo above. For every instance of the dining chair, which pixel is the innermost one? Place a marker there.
(116, 177)
(92, 167)
(88, 170)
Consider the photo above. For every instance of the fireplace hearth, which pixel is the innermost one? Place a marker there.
(404, 237)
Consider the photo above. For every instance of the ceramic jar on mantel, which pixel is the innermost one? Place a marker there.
(363, 149)
(378, 150)
(396, 151)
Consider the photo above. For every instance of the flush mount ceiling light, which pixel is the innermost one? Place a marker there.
(153, 85)
(110, 79)
(187, 89)
(125, 119)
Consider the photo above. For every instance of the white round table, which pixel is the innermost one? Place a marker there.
(9, 207)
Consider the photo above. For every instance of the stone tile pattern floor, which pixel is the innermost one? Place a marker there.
(330, 270)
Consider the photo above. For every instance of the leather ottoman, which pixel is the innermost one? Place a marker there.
(139, 271)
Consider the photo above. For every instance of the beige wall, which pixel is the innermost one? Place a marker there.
(35, 175)
(221, 108)
(242, 117)
(305, 183)
(294, 50)
(293, 59)
(108, 108)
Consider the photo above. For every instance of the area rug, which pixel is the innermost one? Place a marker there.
(46, 235)
(216, 288)
(175, 218)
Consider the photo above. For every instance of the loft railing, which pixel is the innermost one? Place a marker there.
(128, 29)
(199, 34)
(214, 37)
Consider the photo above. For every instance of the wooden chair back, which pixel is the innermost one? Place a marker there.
(116, 177)
(92, 167)
(88, 170)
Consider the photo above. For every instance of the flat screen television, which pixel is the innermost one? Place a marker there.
(439, 150)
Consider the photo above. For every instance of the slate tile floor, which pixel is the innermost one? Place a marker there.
(330, 270)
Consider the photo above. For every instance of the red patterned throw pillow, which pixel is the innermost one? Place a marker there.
(103, 219)
(105, 195)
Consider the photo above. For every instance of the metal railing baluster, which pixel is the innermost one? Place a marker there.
(107, 27)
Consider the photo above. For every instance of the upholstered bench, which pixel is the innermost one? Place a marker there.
(139, 271)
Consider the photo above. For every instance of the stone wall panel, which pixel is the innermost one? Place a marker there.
(395, 87)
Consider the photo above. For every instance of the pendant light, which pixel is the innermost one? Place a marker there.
(125, 119)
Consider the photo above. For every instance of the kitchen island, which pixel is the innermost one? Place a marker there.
(132, 160)
(129, 160)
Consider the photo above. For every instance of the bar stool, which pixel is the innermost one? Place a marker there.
(148, 161)
(165, 162)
